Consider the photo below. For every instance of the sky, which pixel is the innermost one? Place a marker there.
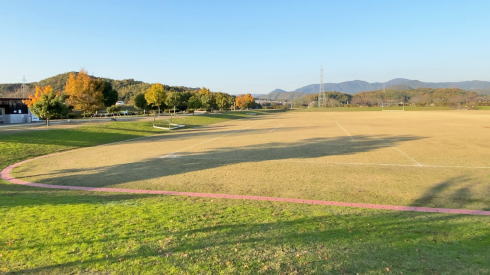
(246, 46)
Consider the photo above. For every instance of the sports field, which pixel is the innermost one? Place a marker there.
(435, 159)
(405, 158)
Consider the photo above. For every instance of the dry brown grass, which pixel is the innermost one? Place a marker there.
(439, 159)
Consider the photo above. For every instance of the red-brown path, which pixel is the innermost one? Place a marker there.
(6, 175)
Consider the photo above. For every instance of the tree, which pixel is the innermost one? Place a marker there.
(84, 93)
(206, 97)
(109, 95)
(223, 101)
(155, 96)
(140, 102)
(47, 104)
(244, 101)
(184, 100)
(194, 102)
(113, 109)
(174, 99)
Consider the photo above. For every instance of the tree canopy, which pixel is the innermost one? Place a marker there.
(155, 96)
(140, 101)
(46, 103)
(84, 93)
(109, 95)
(223, 101)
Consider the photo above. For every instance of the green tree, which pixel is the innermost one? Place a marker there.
(223, 101)
(173, 100)
(113, 109)
(206, 98)
(184, 100)
(109, 95)
(47, 104)
(194, 102)
(140, 102)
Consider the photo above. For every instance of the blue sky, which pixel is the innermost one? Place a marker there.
(246, 46)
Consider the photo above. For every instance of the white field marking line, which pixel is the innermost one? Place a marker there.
(393, 148)
(345, 130)
(275, 128)
(403, 153)
(169, 156)
(340, 163)
(407, 156)
(206, 141)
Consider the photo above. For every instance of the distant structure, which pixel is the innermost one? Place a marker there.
(320, 91)
(23, 87)
(13, 110)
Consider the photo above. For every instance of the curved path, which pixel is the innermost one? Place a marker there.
(6, 175)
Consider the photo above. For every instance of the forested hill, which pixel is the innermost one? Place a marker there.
(356, 86)
(126, 88)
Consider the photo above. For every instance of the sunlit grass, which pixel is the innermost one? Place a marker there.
(54, 231)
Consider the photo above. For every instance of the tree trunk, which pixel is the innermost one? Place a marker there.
(47, 122)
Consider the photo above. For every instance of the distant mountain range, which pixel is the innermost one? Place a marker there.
(356, 86)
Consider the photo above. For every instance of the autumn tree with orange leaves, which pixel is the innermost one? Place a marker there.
(46, 103)
(84, 93)
(244, 101)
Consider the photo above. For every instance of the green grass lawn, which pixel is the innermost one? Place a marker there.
(56, 231)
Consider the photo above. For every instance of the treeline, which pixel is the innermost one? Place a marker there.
(449, 97)
(127, 88)
(88, 95)
(157, 96)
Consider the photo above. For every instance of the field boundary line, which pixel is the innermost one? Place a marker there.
(403, 153)
(407, 156)
(185, 148)
(332, 162)
(345, 130)
(6, 175)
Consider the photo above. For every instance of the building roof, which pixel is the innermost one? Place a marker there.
(13, 98)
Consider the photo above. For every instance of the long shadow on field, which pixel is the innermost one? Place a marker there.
(185, 162)
(70, 137)
(12, 195)
(372, 242)
(183, 134)
(456, 190)
(90, 137)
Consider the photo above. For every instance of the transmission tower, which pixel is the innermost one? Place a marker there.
(23, 87)
(320, 92)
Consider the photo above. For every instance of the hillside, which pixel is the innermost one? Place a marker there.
(126, 88)
(356, 86)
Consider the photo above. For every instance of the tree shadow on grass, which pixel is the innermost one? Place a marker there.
(90, 137)
(189, 162)
(66, 137)
(189, 133)
(12, 195)
(457, 190)
(340, 243)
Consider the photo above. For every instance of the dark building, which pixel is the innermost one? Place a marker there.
(12, 110)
